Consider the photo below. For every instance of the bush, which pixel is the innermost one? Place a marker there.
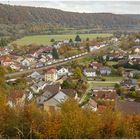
(103, 79)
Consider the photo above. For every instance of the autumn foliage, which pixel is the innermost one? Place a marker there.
(72, 121)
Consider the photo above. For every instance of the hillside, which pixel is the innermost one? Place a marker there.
(23, 14)
(18, 21)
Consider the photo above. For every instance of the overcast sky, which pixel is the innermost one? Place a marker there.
(118, 7)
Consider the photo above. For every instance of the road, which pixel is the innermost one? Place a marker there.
(28, 71)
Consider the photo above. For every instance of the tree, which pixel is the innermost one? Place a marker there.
(117, 34)
(87, 47)
(77, 38)
(3, 42)
(55, 53)
(87, 39)
(52, 40)
(70, 41)
(78, 73)
(68, 84)
(120, 70)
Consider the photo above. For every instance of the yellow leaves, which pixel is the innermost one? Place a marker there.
(49, 127)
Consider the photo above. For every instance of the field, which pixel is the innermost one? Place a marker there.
(94, 85)
(45, 39)
(113, 78)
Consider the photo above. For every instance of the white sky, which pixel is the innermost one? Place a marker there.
(118, 7)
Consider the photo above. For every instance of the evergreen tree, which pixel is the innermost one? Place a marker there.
(87, 39)
(3, 42)
(77, 38)
(55, 53)
(70, 41)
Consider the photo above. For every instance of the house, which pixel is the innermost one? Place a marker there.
(105, 71)
(19, 59)
(57, 44)
(114, 39)
(34, 54)
(136, 49)
(43, 60)
(92, 104)
(53, 96)
(134, 73)
(89, 72)
(49, 56)
(49, 91)
(15, 66)
(102, 45)
(35, 75)
(70, 92)
(66, 41)
(47, 50)
(62, 72)
(6, 61)
(135, 61)
(53, 104)
(104, 93)
(50, 74)
(39, 64)
(61, 79)
(96, 65)
(134, 56)
(16, 98)
(101, 108)
(4, 51)
(25, 63)
(128, 83)
(126, 74)
(38, 86)
(29, 96)
(130, 73)
(137, 40)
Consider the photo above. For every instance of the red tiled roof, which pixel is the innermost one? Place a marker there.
(50, 71)
(5, 59)
(96, 64)
(52, 88)
(101, 108)
(105, 95)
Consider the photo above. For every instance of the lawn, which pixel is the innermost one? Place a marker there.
(113, 78)
(45, 39)
(111, 63)
(94, 85)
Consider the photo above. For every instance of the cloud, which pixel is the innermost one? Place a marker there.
(118, 7)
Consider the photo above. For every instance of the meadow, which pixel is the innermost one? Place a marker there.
(45, 39)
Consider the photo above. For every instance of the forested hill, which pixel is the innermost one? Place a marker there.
(23, 14)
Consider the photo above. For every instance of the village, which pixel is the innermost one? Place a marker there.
(106, 75)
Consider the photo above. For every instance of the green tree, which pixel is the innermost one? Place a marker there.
(70, 41)
(3, 42)
(78, 73)
(52, 40)
(55, 53)
(77, 38)
(87, 39)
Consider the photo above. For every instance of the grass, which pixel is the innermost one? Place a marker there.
(86, 60)
(45, 39)
(94, 85)
(113, 78)
(111, 63)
